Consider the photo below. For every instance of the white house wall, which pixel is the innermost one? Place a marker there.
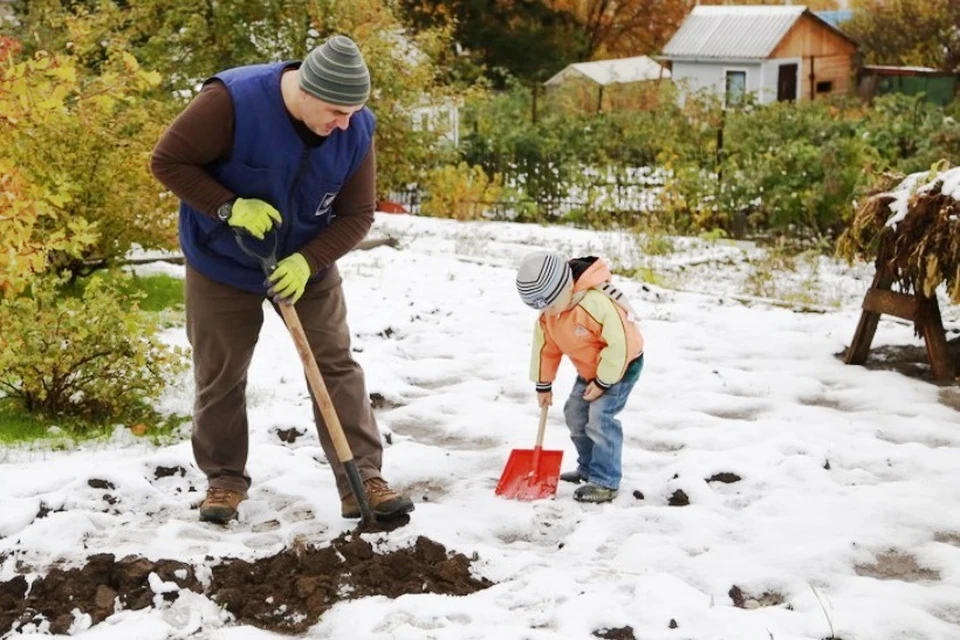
(443, 118)
(694, 76)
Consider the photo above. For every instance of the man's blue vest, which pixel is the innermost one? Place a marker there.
(270, 162)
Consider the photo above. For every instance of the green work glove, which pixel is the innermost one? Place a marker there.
(256, 216)
(289, 279)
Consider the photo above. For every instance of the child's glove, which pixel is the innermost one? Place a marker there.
(544, 398)
(256, 216)
(289, 280)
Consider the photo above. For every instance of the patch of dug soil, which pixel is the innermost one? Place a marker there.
(290, 591)
(286, 593)
(93, 589)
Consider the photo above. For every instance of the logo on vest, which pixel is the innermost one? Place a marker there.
(325, 203)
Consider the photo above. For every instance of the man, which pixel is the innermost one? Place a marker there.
(282, 153)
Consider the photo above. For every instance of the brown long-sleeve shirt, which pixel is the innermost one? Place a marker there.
(203, 134)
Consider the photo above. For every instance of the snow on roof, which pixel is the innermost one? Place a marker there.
(621, 70)
(732, 31)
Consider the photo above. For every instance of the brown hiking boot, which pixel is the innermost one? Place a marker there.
(220, 505)
(384, 501)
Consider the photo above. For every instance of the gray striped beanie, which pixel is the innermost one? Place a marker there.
(336, 73)
(542, 277)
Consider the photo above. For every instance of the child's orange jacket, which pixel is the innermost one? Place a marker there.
(598, 335)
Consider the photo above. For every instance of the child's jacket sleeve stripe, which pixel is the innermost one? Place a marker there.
(615, 357)
(545, 359)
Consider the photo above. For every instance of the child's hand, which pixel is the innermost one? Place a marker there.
(544, 398)
(593, 392)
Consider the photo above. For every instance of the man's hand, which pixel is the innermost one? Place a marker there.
(593, 392)
(544, 398)
(255, 216)
(289, 279)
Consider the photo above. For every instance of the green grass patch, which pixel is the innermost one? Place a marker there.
(21, 428)
(162, 292)
(17, 426)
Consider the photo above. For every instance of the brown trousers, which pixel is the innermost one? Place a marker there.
(223, 324)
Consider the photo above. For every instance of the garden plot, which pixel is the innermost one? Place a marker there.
(769, 490)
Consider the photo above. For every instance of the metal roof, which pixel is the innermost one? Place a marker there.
(726, 31)
(620, 70)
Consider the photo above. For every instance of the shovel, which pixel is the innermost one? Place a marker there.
(315, 380)
(531, 474)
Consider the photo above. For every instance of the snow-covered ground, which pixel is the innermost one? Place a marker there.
(847, 510)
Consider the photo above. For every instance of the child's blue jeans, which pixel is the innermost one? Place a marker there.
(595, 429)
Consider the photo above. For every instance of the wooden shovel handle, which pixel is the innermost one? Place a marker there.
(328, 412)
(268, 262)
(315, 380)
(543, 425)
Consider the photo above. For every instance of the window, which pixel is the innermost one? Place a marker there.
(736, 88)
(825, 86)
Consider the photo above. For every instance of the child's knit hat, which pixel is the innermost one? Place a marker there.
(542, 277)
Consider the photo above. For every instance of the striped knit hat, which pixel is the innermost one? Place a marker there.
(542, 277)
(336, 73)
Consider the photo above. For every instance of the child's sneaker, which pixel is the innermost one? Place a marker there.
(572, 476)
(594, 493)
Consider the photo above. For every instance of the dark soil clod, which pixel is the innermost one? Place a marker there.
(289, 435)
(620, 633)
(166, 472)
(725, 477)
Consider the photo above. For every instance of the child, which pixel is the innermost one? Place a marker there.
(585, 317)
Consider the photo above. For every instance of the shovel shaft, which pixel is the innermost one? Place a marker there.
(327, 410)
(535, 468)
(543, 425)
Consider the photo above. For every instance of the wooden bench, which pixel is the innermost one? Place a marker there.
(922, 311)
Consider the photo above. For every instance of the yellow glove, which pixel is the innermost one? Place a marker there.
(256, 216)
(289, 279)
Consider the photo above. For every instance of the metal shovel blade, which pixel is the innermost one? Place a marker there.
(530, 474)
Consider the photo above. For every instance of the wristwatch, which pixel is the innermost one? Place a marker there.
(224, 210)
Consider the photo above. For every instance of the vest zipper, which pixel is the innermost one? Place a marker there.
(304, 161)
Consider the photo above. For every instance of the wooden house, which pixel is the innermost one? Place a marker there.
(775, 52)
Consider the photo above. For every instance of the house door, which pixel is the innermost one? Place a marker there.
(787, 83)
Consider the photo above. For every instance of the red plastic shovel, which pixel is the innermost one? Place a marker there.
(531, 474)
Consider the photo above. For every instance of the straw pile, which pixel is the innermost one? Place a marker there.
(912, 230)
